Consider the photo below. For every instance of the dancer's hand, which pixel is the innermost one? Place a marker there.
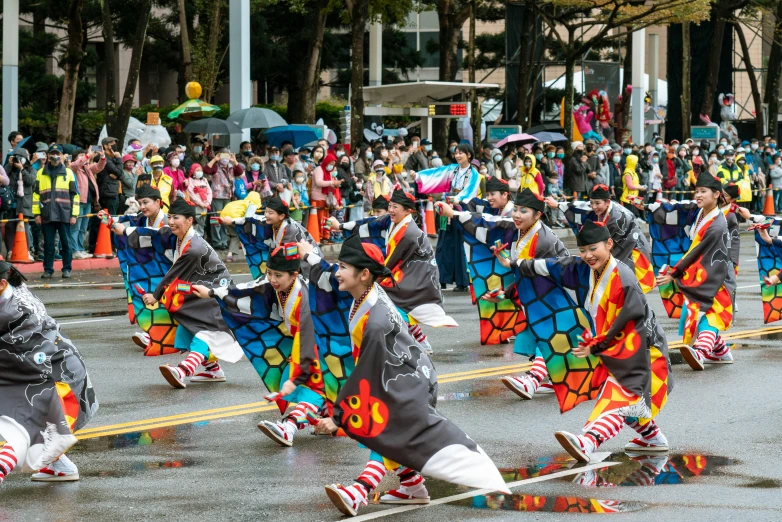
(325, 426)
(772, 280)
(763, 232)
(304, 249)
(335, 225)
(445, 209)
(664, 279)
(149, 299)
(227, 220)
(582, 351)
(287, 388)
(489, 298)
(551, 202)
(200, 291)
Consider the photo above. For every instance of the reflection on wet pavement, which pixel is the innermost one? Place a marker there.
(549, 504)
(174, 436)
(542, 466)
(123, 470)
(652, 470)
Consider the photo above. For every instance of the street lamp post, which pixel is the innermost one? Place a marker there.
(10, 66)
(240, 85)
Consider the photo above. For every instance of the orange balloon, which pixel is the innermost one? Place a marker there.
(193, 90)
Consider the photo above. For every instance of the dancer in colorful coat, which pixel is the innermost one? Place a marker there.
(285, 355)
(202, 332)
(388, 402)
(633, 370)
(704, 275)
(45, 392)
(408, 254)
(630, 245)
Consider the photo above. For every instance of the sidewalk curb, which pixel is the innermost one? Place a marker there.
(76, 265)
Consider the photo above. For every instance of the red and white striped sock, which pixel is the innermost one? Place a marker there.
(605, 428)
(298, 416)
(416, 332)
(705, 342)
(212, 366)
(646, 431)
(372, 475)
(539, 370)
(410, 479)
(191, 362)
(7, 461)
(720, 348)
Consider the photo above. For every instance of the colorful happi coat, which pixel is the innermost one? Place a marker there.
(415, 288)
(633, 373)
(45, 392)
(705, 280)
(734, 245)
(630, 244)
(259, 239)
(770, 263)
(498, 321)
(143, 266)
(195, 263)
(388, 402)
(277, 337)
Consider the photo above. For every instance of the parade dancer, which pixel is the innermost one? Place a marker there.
(292, 374)
(630, 346)
(262, 234)
(528, 238)
(201, 331)
(152, 217)
(380, 206)
(705, 277)
(45, 391)
(732, 211)
(630, 245)
(388, 402)
(408, 254)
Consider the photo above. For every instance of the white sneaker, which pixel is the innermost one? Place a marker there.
(574, 446)
(692, 357)
(657, 444)
(209, 376)
(174, 376)
(727, 358)
(545, 388)
(77, 255)
(426, 346)
(524, 386)
(141, 339)
(61, 470)
(86, 255)
(404, 495)
(278, 432)
(347, 499)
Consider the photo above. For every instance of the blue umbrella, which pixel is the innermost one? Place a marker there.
(299, 135)
(551, 137)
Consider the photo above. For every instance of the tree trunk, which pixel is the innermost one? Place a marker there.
(570, 66)
(123, 115)
(184, 38)
(627, 80)
(209, 86)
(475, 117)
(525, 63)
(308, 76)
(713, 64)
(773, 73)
(753, 81)
(450, 26)
(359, 13)
(109, 67)
(686, 88)
(71, 62)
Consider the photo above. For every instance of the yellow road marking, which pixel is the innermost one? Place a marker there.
(256, 407)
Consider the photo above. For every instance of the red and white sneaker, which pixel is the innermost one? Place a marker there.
(174, 376)
(404, 495)
(347, 499)
(61, 470)
(545, 388)
(725, 358)
(278, 432)
(657, 444)
(209, 376)
(693, 357)
(524, 386)
(141, 339)
(580, 448)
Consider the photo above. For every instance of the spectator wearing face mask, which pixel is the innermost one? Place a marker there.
(41, 150)
(255, 179)
(325, 193)
(615, 173)
(200, 194)
(221, 171)
(161, 181)
(729, 172)
(196, 154)
(487, 153)
(529, 176)
(775, 179)
(317, 155)
(600, 169)
(416, 160)
(576, 173)
(449, 155)
(176, 172)
(19, 178)
(245, 153)
(721, 149)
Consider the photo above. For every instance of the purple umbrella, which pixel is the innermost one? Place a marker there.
(522, 139)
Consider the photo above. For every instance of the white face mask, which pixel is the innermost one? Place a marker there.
(175, 162)
(497, 157)
(223, 162)
(330, 168)
(601, 156)
(181, 156)
(340, 153)
(359, 185)
(527, 164)
(199, 174)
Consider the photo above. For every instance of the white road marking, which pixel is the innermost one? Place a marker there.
(475, 493)
(96, 320)
(748, 286)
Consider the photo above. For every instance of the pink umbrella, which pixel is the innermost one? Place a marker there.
(523, 139)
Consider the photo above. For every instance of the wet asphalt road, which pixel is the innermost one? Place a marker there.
(152, 452)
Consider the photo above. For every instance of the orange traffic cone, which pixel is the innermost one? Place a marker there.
(313, 226)
(768, 208)
(20, 253)
(103, 245)
(430, 230)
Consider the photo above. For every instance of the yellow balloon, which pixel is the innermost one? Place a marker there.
(193, 90)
